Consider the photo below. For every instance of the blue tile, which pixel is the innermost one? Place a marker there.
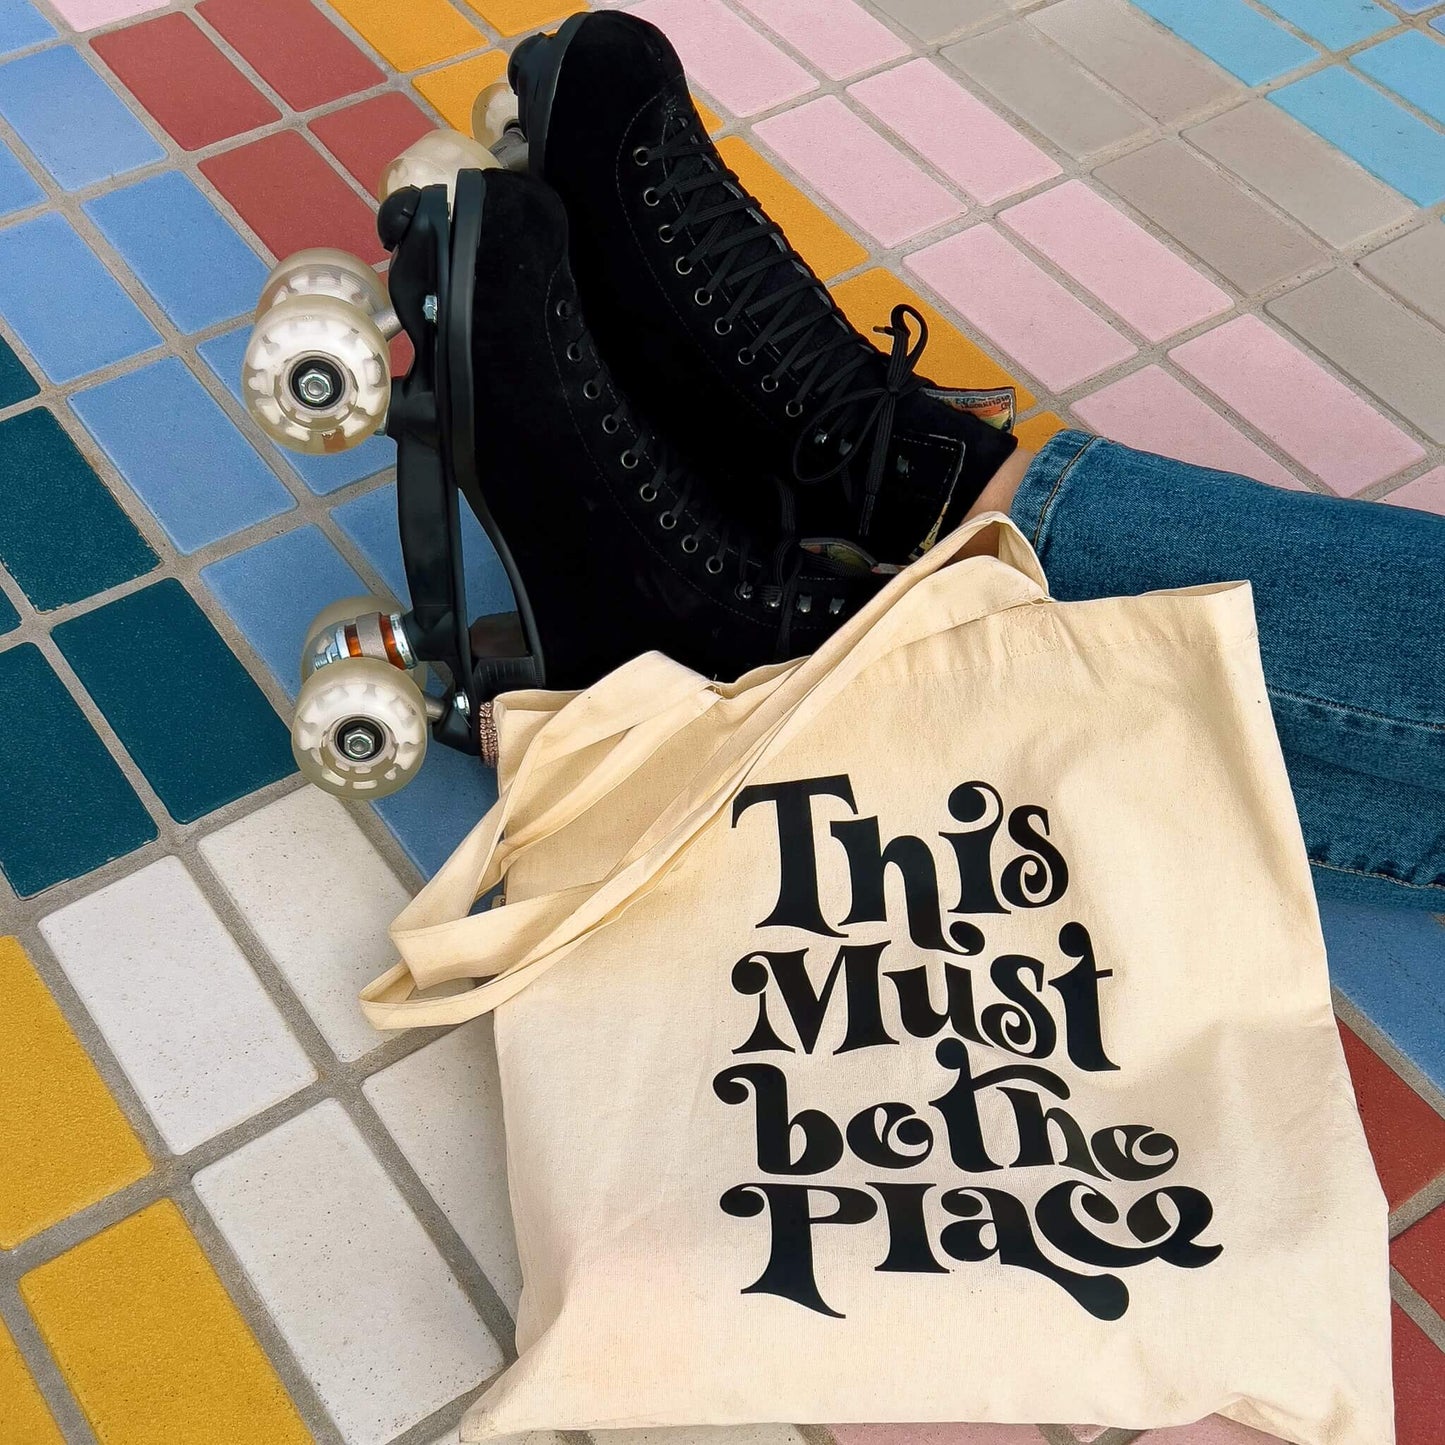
(65, 806)
(274, 589)
(16, 384)
(18, 188)
(77, 126)
(1335, 23)
(187, 255)
(370, 522)
(439, 807)
(1391, 964)
(21, 25)
(322, 475)
(1413, 66)
(1348, 112)
(1233, 35)
(1438, 23)
(181, 454)
(64, 305)
(9, 617)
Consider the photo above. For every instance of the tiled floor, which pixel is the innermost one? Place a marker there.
(229, 1210)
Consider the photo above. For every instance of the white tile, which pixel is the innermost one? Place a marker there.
(186, 1018)
(371, 1311)
(319, 898)
(443, 1107)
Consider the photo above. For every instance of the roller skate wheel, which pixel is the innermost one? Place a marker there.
(344, 610)
(324, 271)
(493, 111)
(434, 160)
(317, 374)
(360, 728)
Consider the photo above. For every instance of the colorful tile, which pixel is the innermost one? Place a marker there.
(291, 198)
(367, 137)
(23, 1412)
(512, 17)
(177, 1004)
(88, 14)
(1419, 1255)
(439, 807)
(421, 33)
(189, 714)
(1027, 313)
(1413, 66)
(21, 25)
(858, 171)
(726, 56)
(327, 1241)
(837, 36)
(954, 131)
(151, 1344)
(66, 1143)
(16, 384)
(1425, 494)
(1296, 403)
(936, 1435)
(9, 617)
(443, 1106)
(75, 124)
(19, 190)
(1035, 430)
(315, 64)
(1117, 261)
(452, 89)
(1336, 24)
(184, 252)
(319, 898)
(53, 766)
(1152, 411)
(63, 536)
(1419, 1383)
(1414, 269)
(1233, 35)
(1400, 148)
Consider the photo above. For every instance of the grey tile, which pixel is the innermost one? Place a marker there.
(1046, 89)
(1414, 267)
(1300, 173)
(1160, 74)
(935, 20)
(1207, 212)
(1371, 337)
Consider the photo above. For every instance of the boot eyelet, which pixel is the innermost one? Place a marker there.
(702, 297)
(769, 383)
(683, 266)
(667, 520)
(689, 544)
(564, 310)
(835, 607)
(650, 197)
(745, 357)
(666, 234)
(573, 352)
(714, 565)
(629, 459)
(640, 155)
(722, 326)
(743, 591)
(804, 604)
(647, 492)
(794, 408)
(591, 390)
(610, 424)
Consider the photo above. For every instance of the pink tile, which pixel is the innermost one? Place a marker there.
(1318, 420)
(1015, 304)
(954, 130)
(1155, 291)
(725, 56)
(1216, 1430)
(838, 36)
(859, 171)
(1426, 493)
(1152, 411)
(937, 1435)
(87, 14)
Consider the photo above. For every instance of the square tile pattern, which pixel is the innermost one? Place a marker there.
(1209, 228)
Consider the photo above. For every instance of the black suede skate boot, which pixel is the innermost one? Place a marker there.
(716, 324)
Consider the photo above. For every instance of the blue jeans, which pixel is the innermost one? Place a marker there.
(1350, 598)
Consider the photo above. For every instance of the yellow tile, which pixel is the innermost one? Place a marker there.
(711, 120)
(820, 240)
(151, 1344)
(452, 89)
(1034, 432)
(512, 17)
(23, 1414)
(63, 1139)
(951, 359)
(418, 33)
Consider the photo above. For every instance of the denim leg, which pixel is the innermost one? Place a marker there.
(1350, 598)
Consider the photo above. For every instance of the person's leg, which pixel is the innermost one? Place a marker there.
(1350, 598)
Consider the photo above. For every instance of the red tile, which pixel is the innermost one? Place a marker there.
(1406, 1136)
(179, 75)
(365, 138)
(1419, 1384)
(291, 198)
(1419, 1254)
(294, 48)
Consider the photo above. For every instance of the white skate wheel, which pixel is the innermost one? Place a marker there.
(344, 610)
(492, 112)
(325, 271)
(434, 160)
(360, 728)
(317, 374)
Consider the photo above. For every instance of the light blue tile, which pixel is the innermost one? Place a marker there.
(185, 252)
(1233, 35)
(1391, 964)
(18, 188)
(1348, 112)
(370, 522)
(1438, 23)
(1335, 23)
(322, 475)
(440, 806)
(21, 25)
(78, 127)
(274, 589)
(65, 306)
(181, 454)
(1413, 66)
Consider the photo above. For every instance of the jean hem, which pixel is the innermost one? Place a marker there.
(1038, 492)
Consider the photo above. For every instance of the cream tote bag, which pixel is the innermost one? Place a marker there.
(936, 1028)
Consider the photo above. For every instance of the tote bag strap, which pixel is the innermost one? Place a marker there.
(517, 942)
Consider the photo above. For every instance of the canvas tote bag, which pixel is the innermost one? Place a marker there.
(936, 1028)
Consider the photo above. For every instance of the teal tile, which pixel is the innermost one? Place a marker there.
(63, 537)
(189, 714)
(16, 384)
(65, 806)
(9, 617)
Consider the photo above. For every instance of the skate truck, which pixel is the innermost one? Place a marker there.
(316, 378)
